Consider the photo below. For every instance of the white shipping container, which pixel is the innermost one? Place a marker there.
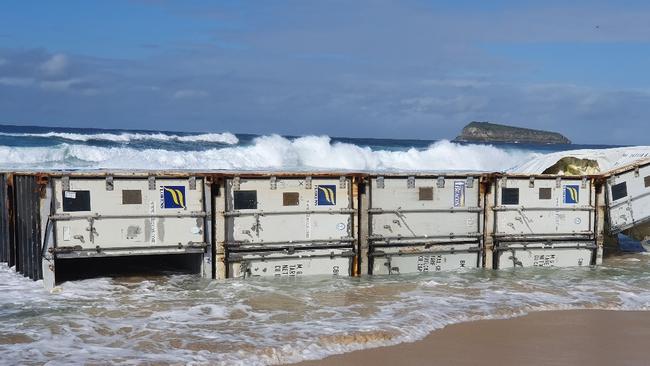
(528, 208)
(297, 212)
(628, 198)
(128, 216)
(411, 217)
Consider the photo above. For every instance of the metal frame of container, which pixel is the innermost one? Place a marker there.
(540, 220)
(423, 223)
(254, 210)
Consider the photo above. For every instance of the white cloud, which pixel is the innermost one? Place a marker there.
(59, 85)
(14, 81)
(55, 65)
(189, 93)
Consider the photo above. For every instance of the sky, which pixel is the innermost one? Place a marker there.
(363, 68)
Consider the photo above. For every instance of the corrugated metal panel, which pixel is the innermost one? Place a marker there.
(424, 224)
(28, 226)
(5, 242)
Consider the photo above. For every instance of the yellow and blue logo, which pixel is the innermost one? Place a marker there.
(326, 195)
(571, 194)
(459, 194)
(172, 196)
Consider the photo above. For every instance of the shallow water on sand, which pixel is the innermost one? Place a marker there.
(180, 319)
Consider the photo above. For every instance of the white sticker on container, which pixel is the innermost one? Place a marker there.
(66, 233)
(70, 194)
(195, 230)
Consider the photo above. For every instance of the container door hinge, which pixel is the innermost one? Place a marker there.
(343, 182)
(470, 182)
(440, 183)
(236, 183)
(531, 182)
(584, 182)
(192, 183)
(410, 182)
(380, 182)
(558, 182)
(636, 171)
(109, 183)
(308, 182)
(273, 182)
(152, 183)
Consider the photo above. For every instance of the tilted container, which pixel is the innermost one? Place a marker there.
(543, 221)
(424, 223)
(287, 226)
(628, 197)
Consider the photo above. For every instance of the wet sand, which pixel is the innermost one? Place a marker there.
(575, 337)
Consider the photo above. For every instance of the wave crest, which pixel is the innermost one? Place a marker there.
(223, 138)
(270, 153)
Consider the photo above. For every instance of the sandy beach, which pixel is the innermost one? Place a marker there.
(575, 337)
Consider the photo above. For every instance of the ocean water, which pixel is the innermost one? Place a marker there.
(72, 148)
(183, 319)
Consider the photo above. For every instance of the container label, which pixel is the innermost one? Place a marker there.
(571, 194)
(459, 194)
(172, 197)
(70, 194)
(325, 195)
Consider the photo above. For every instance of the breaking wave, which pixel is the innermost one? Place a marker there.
(223, 138)
(268, 153)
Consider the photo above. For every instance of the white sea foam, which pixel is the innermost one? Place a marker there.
(224, 138)
(269, 152)
(185, 319)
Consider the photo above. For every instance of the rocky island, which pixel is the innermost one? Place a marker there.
(493, 132)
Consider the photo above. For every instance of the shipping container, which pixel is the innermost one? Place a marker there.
(59, 219)
(424, 223)
(270, 223)
(128, 216)
(543, 221)
(628, 197)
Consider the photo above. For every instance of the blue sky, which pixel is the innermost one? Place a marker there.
(380, 68)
